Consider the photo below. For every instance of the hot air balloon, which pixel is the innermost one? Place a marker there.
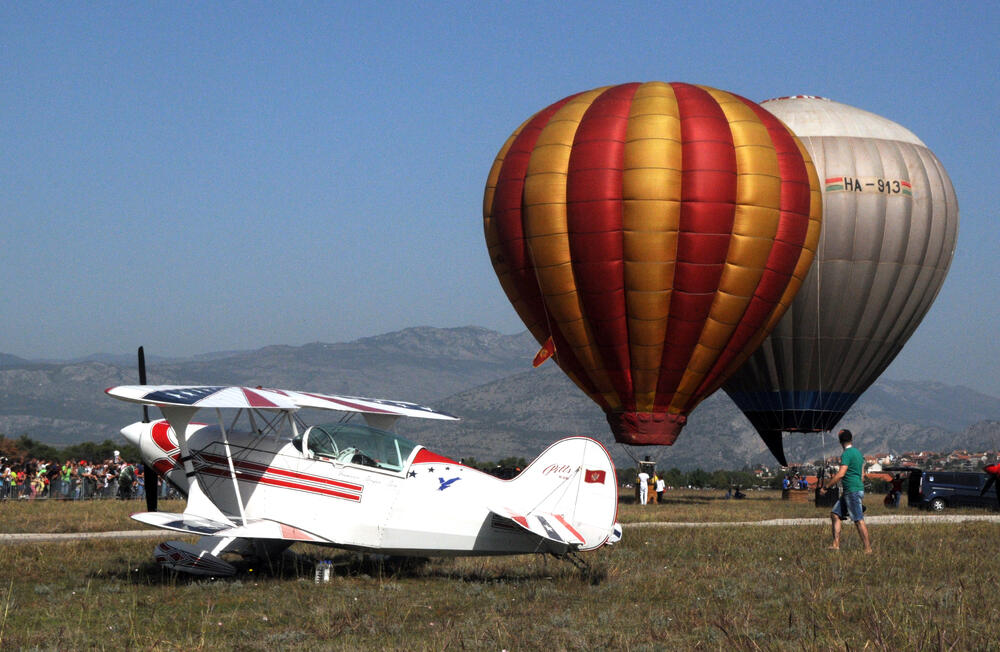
(655, 232)
(890, 218)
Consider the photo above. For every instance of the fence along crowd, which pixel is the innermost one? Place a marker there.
(33, 479)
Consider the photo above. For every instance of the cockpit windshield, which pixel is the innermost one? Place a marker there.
(357, 444)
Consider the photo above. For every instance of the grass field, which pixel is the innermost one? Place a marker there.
(928, 586)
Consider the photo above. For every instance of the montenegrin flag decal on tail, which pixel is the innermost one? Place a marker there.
(547, 351)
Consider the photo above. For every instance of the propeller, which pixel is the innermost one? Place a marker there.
(993, 470)
(148, 472)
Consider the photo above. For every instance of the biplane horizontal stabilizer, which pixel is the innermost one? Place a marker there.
(552, 527)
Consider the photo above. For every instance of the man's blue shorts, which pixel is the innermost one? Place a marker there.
(849, 506)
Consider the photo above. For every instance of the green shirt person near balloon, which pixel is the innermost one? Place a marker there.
(852, 464)
(855, 462)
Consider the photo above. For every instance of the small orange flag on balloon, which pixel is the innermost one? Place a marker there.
(547, 351)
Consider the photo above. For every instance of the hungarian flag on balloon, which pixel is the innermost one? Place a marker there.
(547, 351)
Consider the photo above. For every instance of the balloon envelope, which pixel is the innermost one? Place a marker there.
(890, 219)
(655, 232)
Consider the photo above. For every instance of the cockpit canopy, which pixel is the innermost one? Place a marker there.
(356, 444)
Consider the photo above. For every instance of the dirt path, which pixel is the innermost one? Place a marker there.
(78, 536)
(891, 519)
(888, 519)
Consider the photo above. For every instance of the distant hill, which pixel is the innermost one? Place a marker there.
(507, 408)
(528, 411)
(8, 360)
(64, 403)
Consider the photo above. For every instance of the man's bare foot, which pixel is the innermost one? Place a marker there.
(833, 547)
(868, 551)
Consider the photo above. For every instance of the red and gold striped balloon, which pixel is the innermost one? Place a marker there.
(656, 232)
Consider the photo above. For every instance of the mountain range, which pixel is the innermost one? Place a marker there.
(506, 407)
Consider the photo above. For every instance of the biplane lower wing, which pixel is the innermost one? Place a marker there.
(254, 529)
(185, 523)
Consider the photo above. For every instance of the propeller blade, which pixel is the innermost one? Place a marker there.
(148, 472)
(142, 381)
(990, 481)
(150, 478)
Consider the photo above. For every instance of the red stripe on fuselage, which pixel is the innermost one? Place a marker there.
(264, 468)
(275, 482)
(163, 466)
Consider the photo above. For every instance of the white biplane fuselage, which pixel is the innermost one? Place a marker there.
(275, 481)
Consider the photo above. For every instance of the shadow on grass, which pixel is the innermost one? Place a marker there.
(478, 570)
(292, 566)
(303, 566)
(288, 566)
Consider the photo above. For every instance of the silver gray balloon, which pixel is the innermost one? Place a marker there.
(890, 219)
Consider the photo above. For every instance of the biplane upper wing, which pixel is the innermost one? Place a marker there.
(202, 396)
(218, 396)
(366, 405)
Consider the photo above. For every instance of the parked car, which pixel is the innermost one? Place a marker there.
(936, 490)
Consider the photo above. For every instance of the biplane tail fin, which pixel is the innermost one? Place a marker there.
(568, 494)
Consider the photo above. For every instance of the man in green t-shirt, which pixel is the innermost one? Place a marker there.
(849, 506)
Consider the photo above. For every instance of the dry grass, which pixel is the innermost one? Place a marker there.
(929, 586)
(62, 516)
(710, 505)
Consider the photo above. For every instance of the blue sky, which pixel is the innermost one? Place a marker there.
(202, 176)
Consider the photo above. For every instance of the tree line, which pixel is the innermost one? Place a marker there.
(26, 448)
(674, 477)
(699, 478)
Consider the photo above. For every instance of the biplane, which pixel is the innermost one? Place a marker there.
(259, 479)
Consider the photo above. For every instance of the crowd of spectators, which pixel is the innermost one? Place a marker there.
(30, 479)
